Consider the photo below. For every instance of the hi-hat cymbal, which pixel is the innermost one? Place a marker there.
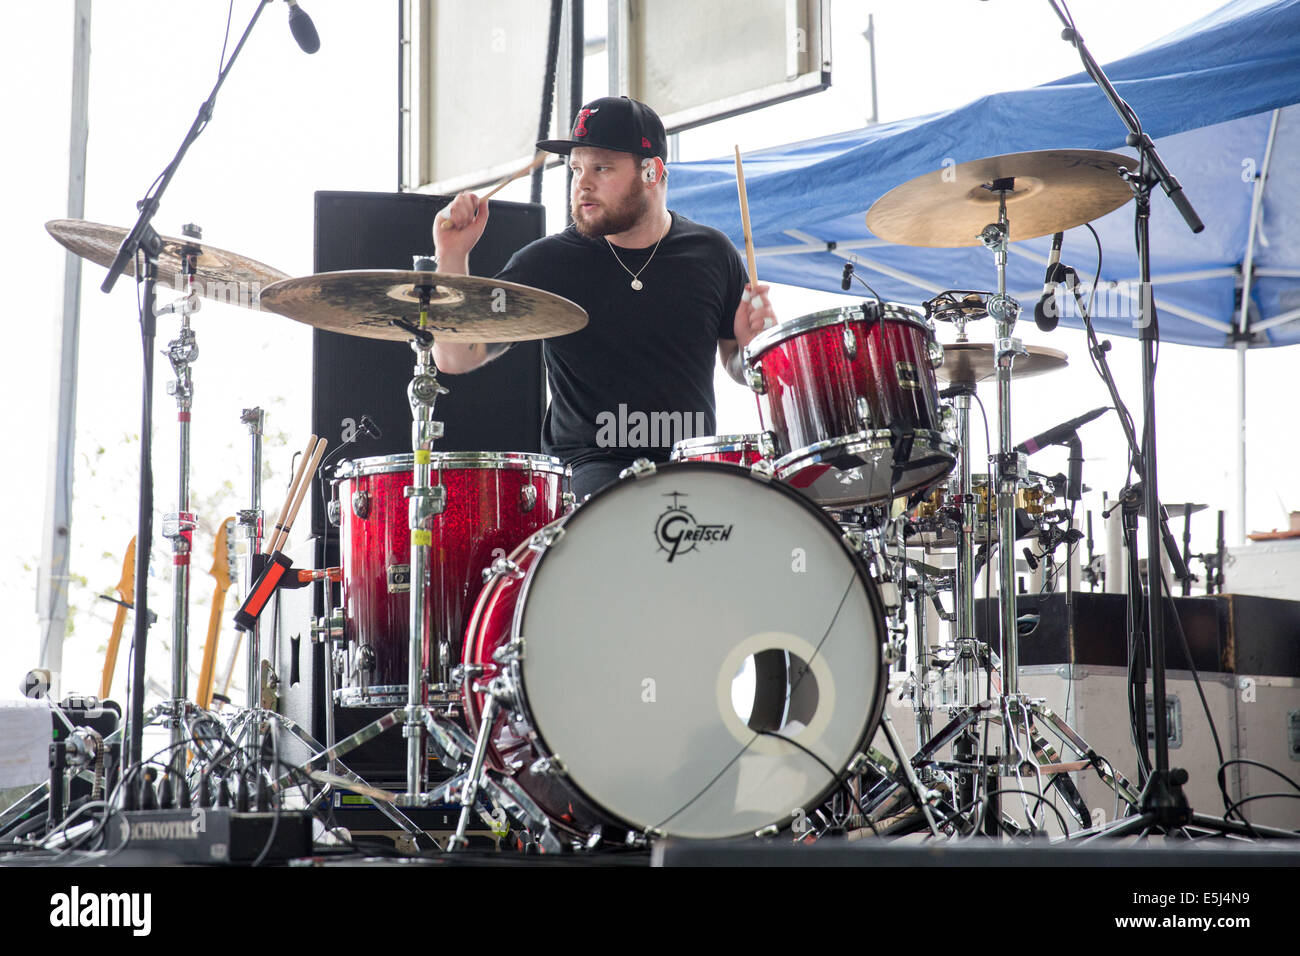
(461, 308)
(969, 363)
(219, 275)
(1054, 190)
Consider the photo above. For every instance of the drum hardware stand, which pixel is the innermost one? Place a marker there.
(451, 744)
(142, 239)
(1163, 803)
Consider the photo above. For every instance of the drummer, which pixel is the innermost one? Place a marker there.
(661, 292)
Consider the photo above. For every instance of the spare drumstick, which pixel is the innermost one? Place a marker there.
(299, 493)
(744, 220)
(288, 498)
(445, 223)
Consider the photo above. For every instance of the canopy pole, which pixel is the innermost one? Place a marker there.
(1241, 442)
(56, 548)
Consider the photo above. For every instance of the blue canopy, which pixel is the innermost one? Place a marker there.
(1213, 95)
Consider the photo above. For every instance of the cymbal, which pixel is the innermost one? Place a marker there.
(1177, 510)
(1054, 190)
(969, 363)
(219, 275)
(462, 308)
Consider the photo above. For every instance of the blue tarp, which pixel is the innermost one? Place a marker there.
(1206, 94)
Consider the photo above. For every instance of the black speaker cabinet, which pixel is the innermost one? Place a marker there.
(496, 408)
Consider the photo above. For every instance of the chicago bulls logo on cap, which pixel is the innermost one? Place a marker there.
(580, 129)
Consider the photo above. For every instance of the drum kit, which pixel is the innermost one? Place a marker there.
(702, 649)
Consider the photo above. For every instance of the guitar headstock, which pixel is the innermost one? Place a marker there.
(126, 585)
(223, 555)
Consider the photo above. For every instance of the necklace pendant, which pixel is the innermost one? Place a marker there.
(636, 285)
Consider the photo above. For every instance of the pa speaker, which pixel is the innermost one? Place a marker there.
(495, 408)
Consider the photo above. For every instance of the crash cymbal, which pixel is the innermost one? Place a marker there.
(1053, 190)
(969, 363)
(219, 275)
(462, 308)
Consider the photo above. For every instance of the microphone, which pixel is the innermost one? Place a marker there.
(845, 280)
(368, 427)
(1046, 315)
(303, 30)
(1060, 432)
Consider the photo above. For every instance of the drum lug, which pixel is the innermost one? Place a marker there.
(568, 501)
(770, 830)
(361, 504)
(543, 539)
(762, 470)
(527, 498)
(641, 468)
(503, 691)
(461, 672)
(864, 411)
(850, 341)
(332, 512)
(510, 652)
(547, 766)
(936, 354)
(754, 378)
(642, 839)
(504, 568)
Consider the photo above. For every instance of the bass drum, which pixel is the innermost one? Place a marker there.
(672, 655)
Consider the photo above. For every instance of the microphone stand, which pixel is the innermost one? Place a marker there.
(1163, 802)
(143, 239)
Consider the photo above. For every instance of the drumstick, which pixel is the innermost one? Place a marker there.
(445, 223)
(744, 220)
(284, 508)
(749, 249)
(301, 491)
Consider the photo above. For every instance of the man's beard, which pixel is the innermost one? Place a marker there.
(610, 221)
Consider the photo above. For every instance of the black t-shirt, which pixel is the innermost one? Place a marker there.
(639, 376)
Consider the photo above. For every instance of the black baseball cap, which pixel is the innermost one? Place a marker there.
(615, 122)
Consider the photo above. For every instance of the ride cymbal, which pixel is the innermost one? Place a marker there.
(1052, 190)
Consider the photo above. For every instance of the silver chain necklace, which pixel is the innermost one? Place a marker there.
(637, 285)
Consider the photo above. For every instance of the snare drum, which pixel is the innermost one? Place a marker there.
(642, 644)
(493, 501)
(854, 403)
(743, 450)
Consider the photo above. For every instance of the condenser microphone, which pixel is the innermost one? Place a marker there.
(303, 30)
(1046, 315)
(847, 279)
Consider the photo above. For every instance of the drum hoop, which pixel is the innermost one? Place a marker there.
(893, 312)
(745, 442)
(467, 460)
(784, 467)
(862, 573)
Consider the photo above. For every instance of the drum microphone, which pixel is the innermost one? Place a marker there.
(303, 30)
(1061, 432)
(368, 427)
(847, 279)
(1046, 314)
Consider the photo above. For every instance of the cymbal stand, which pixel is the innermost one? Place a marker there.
(449, 743)
(179, 526)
